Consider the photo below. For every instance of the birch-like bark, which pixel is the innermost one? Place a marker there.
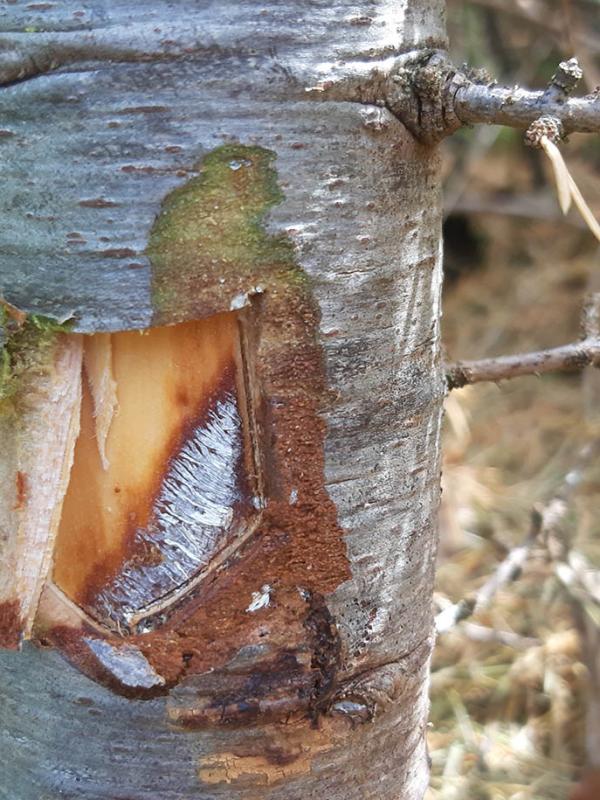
(106, 109)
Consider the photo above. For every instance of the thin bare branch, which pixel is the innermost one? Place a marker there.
(511, 567)
(483, 633)
(568, 357)
(453, 613)
(433, 98)
(507, 571)
(518, 108)
(545, 529)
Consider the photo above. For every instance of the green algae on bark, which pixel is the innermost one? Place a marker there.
(208, 245)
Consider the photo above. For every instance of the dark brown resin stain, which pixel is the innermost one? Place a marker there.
(11, 624)
(98, 202)
(293, 671)
(20, 490)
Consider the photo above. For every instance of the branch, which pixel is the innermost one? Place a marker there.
(433, 99)
(518, 108)
(545, 529)
(575, 356)
(455, 613)
(507, 571)
(481, 633)
(558, 359)
(511, 567)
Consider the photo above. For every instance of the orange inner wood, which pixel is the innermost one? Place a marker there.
(164, 377)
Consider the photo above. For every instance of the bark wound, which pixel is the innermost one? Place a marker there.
(163, 485)
(199, 636)
(284, 752)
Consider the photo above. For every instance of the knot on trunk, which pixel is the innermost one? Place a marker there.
(420, 93)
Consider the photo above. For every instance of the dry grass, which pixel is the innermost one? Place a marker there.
(508, 722)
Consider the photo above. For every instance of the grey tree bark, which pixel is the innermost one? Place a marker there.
(116, 121)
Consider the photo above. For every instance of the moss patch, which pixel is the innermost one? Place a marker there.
(25, 343)
(209, 240)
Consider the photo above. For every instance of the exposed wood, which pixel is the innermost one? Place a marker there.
(154, 494)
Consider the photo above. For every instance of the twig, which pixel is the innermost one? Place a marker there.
(543, 520)
(511, 567)
(574, 356)
(519, 108)
(482, 633)
(544, 529)
(454, 613)
(433, 99)
(569, 357)
(508, 570)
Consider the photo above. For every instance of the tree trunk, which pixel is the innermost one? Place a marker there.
(218, 537)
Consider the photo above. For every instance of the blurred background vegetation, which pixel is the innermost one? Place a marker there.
(515, 689)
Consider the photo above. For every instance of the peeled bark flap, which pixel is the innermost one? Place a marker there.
(164, 162)
(39, 420)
